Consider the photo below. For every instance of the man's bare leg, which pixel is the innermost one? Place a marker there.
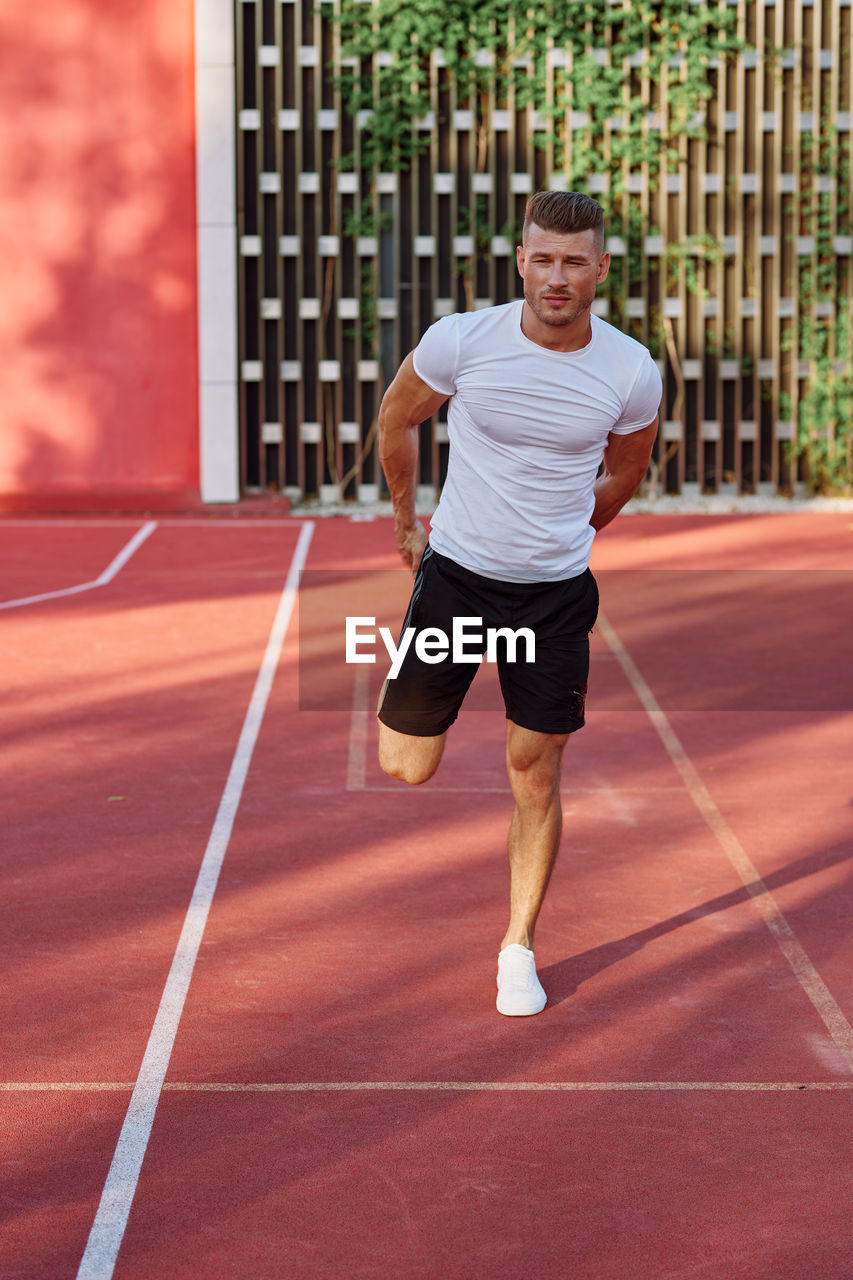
(411, 759)
(534, 763)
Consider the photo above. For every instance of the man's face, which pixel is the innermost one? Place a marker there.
(560, 272)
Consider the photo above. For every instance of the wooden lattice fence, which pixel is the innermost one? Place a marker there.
(733, 262)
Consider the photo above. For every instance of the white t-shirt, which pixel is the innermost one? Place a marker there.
(527, 429)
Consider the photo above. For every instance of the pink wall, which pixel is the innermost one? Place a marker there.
(98, 371)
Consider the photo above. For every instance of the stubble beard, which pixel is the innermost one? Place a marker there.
(558, 319)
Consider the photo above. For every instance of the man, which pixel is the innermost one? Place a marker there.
(541, 392)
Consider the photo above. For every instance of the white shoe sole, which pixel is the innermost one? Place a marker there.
(511, 1006)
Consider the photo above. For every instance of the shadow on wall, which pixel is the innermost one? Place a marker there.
(97, 210)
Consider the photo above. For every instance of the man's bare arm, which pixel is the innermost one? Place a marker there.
(626, 460)
(407, 403)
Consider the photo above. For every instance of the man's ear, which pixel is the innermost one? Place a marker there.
(519, 259)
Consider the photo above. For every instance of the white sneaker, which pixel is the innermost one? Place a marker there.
(519, 990)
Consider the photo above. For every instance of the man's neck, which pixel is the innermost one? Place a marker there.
(556, 337)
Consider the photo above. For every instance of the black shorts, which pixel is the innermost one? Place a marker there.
(546, 695)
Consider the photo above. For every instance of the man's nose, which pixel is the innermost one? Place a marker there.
(557, 276)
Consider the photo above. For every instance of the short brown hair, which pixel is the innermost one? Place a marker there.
(566, 212)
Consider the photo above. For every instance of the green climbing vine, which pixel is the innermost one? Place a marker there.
(824, 435)
(565, 62)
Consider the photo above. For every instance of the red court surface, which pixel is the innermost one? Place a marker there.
(248, 1023)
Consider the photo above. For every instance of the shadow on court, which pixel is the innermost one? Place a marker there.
(352, 941)
(563, 979)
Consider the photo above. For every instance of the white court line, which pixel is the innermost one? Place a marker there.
(68, 522)
(519, 1086)
(173, 522)
(237, 522)
(110, 1221)
(566, 793)
(357, 758)
(806, 974)
(426, 1086)
(101, 581)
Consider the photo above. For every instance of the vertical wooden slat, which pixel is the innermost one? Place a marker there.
(793, 108)
(345, 470)
(678, 226)
(769, 249)
(830, 43)
(707, 202)
(786, 95)
(844, 224)
(805, 156)
(764, 292)
(270, 288)
(315, 204)
(291, 387)
(247, 217)
(305, 267)
(368, 256)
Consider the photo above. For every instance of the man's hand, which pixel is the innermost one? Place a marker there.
(411, 542)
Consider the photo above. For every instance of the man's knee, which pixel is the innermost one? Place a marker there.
(531, 752)
(413, 772)
(534, 762)
(409, 759)
(535, 786)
